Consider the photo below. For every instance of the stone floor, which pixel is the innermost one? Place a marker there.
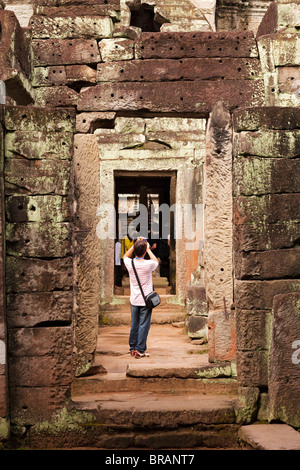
(173, 399)
(173, 357)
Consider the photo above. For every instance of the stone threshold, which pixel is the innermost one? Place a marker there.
(162, 410)
(210, 371)
(270, 436)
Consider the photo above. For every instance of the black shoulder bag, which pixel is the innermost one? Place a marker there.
(151, 300)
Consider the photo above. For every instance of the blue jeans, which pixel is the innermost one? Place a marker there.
(140, 325)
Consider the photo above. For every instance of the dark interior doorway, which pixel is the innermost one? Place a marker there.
(143, 18)
(138, 199)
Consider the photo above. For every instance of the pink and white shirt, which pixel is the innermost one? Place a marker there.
(144, 269)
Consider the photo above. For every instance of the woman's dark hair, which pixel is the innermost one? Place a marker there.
(140, 247)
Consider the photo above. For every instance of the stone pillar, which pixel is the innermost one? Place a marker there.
(39, 261)
(266, 228)
(4, 419)
(278, 43)
(23, 10)
(218, 235)
(239, 15)
(284, 371)
(87, 248)
(196, 307)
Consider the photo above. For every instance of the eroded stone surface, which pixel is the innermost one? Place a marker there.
(285, 359)
(44, 27)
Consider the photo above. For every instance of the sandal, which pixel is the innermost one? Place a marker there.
(141, 354)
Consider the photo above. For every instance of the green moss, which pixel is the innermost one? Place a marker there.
(4, 429)
(66, 421)
(103, 320)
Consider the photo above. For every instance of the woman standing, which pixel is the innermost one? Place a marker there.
(140, 313)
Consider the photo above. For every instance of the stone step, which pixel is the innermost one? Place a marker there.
(173, 399)
(160, 284)
(119, 313)
(151, 420)
(270, 436)
(147, 409)
(114, 382)
(159, 290)
(157, 281)
(159, 317)
(146, 420)
(175, 365)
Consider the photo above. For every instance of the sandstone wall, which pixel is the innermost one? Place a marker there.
(15, 60)
(218, 235)
(4, 410)
(278, 41)
(239, 15)
(266, 230)
(100, 69)
(284, 371)
(111, 75)
(39, 262)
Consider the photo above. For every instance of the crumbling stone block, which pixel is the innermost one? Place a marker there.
(247, 409)
(185, 69)
(129, 32)
(287, 77)
(60, 27)
(56, 96)
(221, 336)
(48, 76)
(196, 302)
(279, 16)
(14, 55)
(39, 308)
(196, 306)
(276, 144)
(27, 404)
(23, 176)
(266, 118)
(285, 360)
(196, 326)
(64, 51)
(85, 121)
(38, 275)
(116, 49)
(37, 209)
(253, 329)
(33, 239)
(252, 237)
(168, 96)
(258, 176)
(271, 264)
(39, 145)
(259, 294)
(82, 9)
(63, 75)
(86, 7)
(285, 48)
(23, 118)
(252, 368)
(198, 44)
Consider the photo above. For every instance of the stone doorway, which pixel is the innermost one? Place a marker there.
(142, 203)
(169, 150)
